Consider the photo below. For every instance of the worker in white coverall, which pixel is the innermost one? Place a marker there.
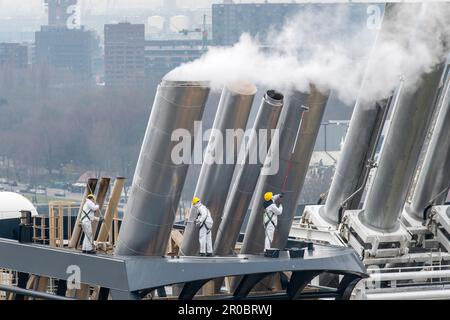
(205, 222)
(87, 217)
(271, 213)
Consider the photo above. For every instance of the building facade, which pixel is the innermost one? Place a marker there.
(231, 20)
(66, 50)
(124, 54)
(14, 55)
(161, 56)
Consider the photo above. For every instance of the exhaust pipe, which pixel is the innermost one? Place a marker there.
(215, 178)
(401, 153)
(158, 182)
(361, 139)
(242, 191)
(301, 157)
(434, 178)
(288, 127)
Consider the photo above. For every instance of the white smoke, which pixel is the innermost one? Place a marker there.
(327, 48)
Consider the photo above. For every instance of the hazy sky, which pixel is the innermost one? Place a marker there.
(12, 7)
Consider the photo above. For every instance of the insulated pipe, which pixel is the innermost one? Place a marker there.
(401, 152)
(409, 275)
(218, 165)
(242, 191)
(434, 178)
(299, 164)
(288, 126)
(439, 294)
(158, 179)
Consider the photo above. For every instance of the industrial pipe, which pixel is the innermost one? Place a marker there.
(352, 167)
(439, 294)
(32, 293)
(409, 275)
(434, 177)
(218, 166)
(158, 180)
(362, 137)
(242, 191)
(288, 126)
(401, 152)
(299, 163)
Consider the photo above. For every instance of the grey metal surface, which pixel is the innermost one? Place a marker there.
(242, 191)
(301, 157)
(126, 274)
(360, 141)
(401, 152)
(158, 181)
(288, 127)
(359, 146)
(215, 176)
(434, 178)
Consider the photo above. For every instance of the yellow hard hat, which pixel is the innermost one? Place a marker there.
(90, 196)
(268, 196)
(195, 200)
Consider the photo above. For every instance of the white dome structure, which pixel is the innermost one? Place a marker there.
(178, 23)
(12, 203)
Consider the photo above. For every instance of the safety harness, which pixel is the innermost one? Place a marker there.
(208, 230)
(86, 215)
(266, 213)
(270, 219)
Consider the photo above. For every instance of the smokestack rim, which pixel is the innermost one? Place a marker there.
(273, 97)
(242, 88)
(176, 83)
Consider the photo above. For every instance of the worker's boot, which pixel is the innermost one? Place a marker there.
(209, 254)
(202, 254)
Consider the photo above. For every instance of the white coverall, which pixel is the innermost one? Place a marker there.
(271, 214)
(205, 222)
(87, 217)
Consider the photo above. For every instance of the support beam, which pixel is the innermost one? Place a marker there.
(190, 289)
(247, 283)
(299, 281)
(76, 233)
(112, 206)
(346, 286)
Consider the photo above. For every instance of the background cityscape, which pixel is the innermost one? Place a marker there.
(77, 79)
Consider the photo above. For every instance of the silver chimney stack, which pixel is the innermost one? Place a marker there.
(361, 139)
(360, 144)
(158, 182)
(288, 126)
(215, 178)
(401, 153)
(306, 140)
(434, 178)
(242, 191)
